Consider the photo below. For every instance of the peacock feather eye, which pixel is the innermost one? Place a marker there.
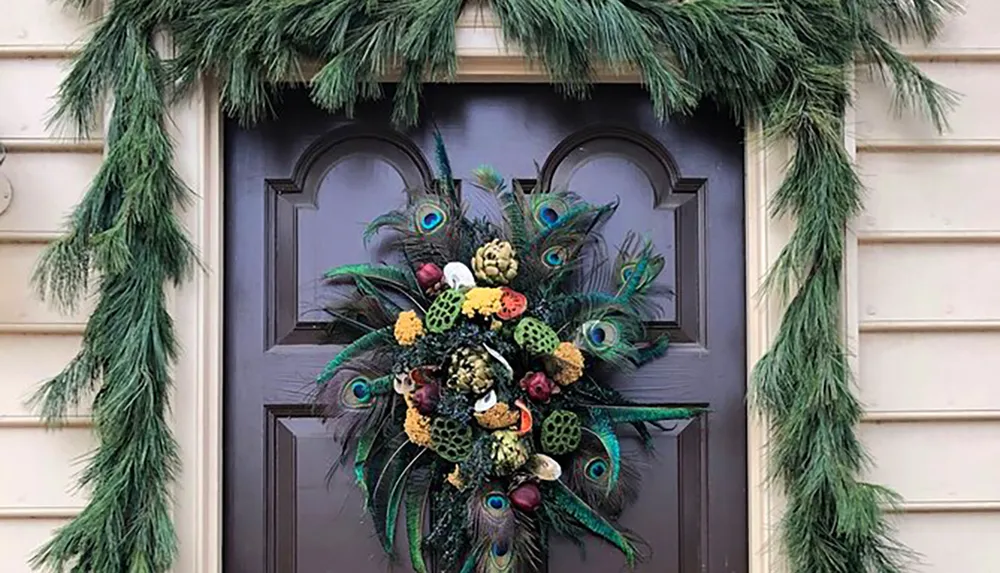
(653, 268)
(357, 393)
(554, 257)
(496, 502)
(500, 548)
(599, 334)
(430, 217)
(596, 468)
(627, 272)
(548, 211)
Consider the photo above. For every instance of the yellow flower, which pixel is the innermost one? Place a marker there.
(408, 328)
(485, 301)
(568, 363)
(417, 427)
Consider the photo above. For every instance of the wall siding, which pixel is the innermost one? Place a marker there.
(928, 300)
(49, 173)
(927, 291)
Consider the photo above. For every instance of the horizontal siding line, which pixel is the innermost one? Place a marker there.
(953, 55)
(29, 422)
(490, 65)
(53, 328)
(918, 416)
(13, 513)
(478, 17)
(28, 237)
(988, 506)
(936, 145)
(39, 51)
(929, 326)
(52, 145)
(927, 237)
(484, 20)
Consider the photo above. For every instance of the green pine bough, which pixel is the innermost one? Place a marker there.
(782, 64)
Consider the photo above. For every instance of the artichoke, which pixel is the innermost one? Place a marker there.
(510, 452)
(495, 263)
(470, 371)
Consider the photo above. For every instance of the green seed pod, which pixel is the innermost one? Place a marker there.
(444, 311)
(560, 432)
(535, 336)
(451, 439)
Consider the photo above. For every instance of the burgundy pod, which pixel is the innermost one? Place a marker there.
(429, 275)
(538, 386)
(527, 497)
(426, 398)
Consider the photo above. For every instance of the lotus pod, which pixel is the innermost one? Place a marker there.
(495, 263)
(535, 336)
(444, 311)
(510, 452)
(560, 432)
(451, 439)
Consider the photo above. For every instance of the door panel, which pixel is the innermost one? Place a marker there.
(299, 190)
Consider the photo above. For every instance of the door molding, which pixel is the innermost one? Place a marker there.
(197, 305)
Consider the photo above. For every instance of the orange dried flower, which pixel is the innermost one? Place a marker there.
(568, 363)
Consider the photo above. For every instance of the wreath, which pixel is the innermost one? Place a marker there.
(477, 387)
(784, 65)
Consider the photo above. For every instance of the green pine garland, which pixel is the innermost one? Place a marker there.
(782, 63)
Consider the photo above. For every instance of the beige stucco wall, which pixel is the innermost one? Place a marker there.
(923, 296)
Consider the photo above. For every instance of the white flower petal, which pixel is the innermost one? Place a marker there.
(486, 402)
(499, 358)
(403, 384)
(544, 468)
(457, 275)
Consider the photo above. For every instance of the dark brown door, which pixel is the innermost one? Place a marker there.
(299, 190)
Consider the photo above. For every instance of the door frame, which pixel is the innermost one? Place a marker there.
(198, 310)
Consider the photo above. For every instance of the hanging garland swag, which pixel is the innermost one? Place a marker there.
(468, 403)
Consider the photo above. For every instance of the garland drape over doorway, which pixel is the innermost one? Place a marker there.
(783, 64)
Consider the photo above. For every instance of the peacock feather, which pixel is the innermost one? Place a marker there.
(395, 277)
(632, 414)
(611, 339)
(602, 476)
(414, 529)
(602, 428)
(367, 343)
(571, 504)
